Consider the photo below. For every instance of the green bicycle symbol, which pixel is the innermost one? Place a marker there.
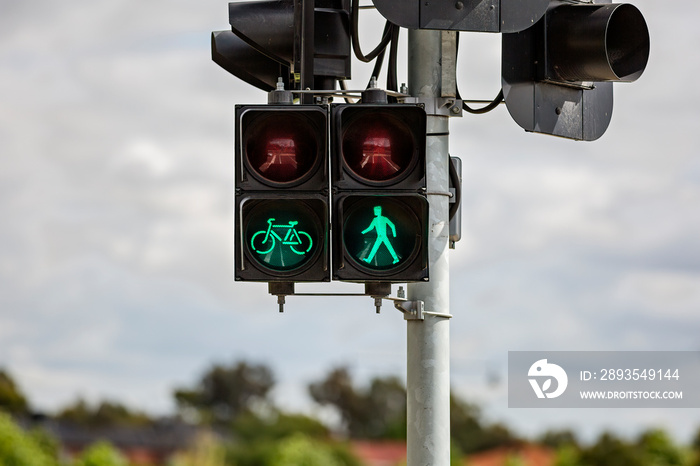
(264, 241)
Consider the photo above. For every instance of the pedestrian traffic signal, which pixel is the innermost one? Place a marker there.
(306, 43)
(463, 15)
(380, 224)
(381, 237)
(281, 181)
(557, 75)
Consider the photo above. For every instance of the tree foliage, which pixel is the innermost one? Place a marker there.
(695, 447)
(658, 449)
(249, 427)
(17, 448)
(376, 412)
(231, 395)
(101, 454)
(12, 400)
(470, 433)
(652, 448)
(558, 438)
(695, 443)
(223, 393)
(379, 411)
(104, 414)
(567, 455)
(610, 450)
(207, 450)
(300, 450)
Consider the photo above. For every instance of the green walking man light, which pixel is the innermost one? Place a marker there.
(379, 223)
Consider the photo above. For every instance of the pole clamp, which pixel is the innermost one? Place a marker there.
(441, 106)
(412, 310)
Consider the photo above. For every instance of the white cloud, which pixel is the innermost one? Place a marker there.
(664, 294)
(145, 155)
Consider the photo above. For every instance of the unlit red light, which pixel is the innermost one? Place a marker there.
(281, 148)
(378, 147)
(281, 157)
(376, 162)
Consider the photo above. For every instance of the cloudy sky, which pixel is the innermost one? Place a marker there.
(116, 133)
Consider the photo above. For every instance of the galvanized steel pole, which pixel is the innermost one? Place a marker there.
(428, 346)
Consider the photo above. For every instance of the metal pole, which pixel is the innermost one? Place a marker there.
(428, 347)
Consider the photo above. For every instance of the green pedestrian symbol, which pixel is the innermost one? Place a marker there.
(380, 224)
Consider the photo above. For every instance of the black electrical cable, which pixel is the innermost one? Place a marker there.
(486, 108)
(392, 70)
(476, 111)
(454, 177)
(377, 66)
(390, 35)
(386, 36)
(391, 80)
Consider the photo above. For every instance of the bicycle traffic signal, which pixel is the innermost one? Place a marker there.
(557, 75)
(281, 182)
(380, 212)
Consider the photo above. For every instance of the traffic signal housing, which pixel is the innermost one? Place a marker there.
(281, 193)
(463, 15)
(557, 75)
(307, 43)
(380, 211)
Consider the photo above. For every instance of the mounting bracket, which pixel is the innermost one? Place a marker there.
(412, 310)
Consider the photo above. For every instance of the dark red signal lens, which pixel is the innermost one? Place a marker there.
(281, 147)
(378, 147)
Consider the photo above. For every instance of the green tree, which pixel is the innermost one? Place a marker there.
(456, 455)
(105, 414)
(337, 390)
(207, 450)
(101, 454)
(342, 453)
(464, 425)
(379, 411)
(12, 400)
(658, 449)
(256, 453)
(249, 427)
(610, 450)
(77, 413)
(468, 431)
(567, 455)
(376, 412)
(558, 438)
(223, 392)
(695, 447)
(387, 400)
(257, 436)
(46, 442)
(18, 448)
(514, 460)
(300, 450)
(695, 443)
